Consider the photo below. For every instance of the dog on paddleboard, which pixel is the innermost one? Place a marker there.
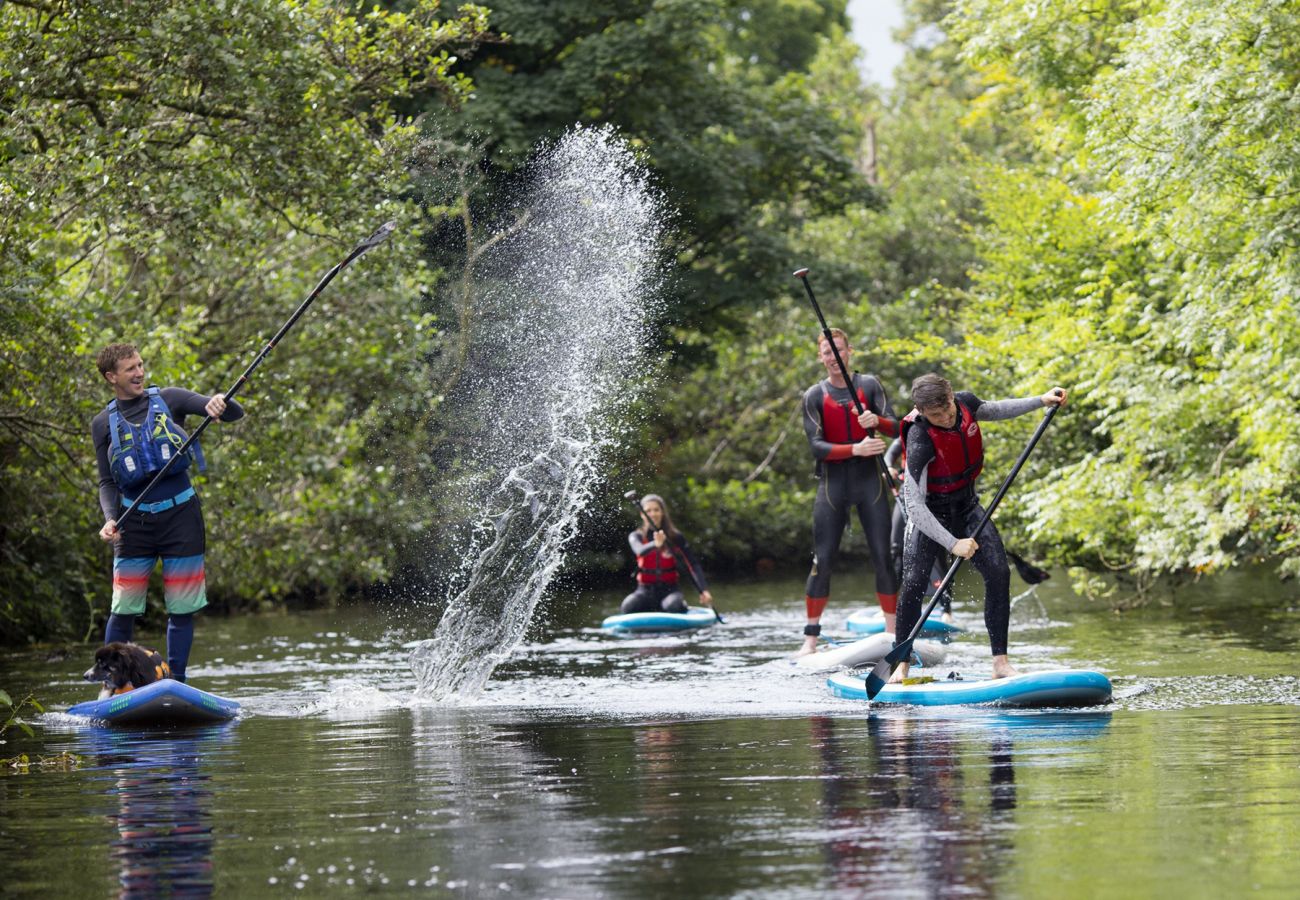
(120, 667)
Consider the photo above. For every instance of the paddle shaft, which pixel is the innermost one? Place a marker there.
(378, 237)
(903, 649)
(802, 275)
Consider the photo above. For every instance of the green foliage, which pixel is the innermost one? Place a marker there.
(14, 715)
(179, 176)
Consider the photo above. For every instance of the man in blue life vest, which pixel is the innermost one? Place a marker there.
(944, 451)
(134, 437)
(843, 444)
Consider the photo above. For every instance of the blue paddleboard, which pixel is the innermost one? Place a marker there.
(872, 621)
(164, 702)
(661, 621)
(1063, 687)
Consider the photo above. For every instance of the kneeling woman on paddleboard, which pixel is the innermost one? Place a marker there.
(660, 549)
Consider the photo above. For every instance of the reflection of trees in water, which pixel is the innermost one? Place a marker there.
(163, 818)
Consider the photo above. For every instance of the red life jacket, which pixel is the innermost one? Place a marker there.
(958, 451)
(840, 420)
(657, 566)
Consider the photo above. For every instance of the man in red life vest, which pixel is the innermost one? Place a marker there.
(944, 451)
(842, 443)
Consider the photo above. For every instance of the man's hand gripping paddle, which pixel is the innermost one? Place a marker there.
(880, 673)
(886, 479)
(374, 240)
(695, 579)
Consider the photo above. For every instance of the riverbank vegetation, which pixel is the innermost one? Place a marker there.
(1103, 198)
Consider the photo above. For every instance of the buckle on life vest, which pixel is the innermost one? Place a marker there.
(163, 505)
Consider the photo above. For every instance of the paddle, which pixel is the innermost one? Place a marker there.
(1029, 573)
(802, 275)
(380, 235)
(695, 579)
(880, 673)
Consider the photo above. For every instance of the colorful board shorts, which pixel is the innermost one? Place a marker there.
(177, 537)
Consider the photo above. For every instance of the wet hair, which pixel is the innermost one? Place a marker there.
(930, 390)
(835, 333)
(667, 523)
(113, 354)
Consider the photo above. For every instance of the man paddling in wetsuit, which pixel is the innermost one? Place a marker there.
(134, 437)
(945, 454)
(898, 527)
(842, 443)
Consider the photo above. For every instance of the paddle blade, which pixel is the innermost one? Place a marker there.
(1029, 572)
(878, 677)
(381, 234)
(801, 273)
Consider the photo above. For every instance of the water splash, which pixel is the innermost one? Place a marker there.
(566, 295)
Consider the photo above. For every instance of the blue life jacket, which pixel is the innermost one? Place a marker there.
(137, 452)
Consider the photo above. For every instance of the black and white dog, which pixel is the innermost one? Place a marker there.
(122, 667)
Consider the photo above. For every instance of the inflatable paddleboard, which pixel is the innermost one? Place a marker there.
(868, 650)
(1063, 687)
(164, 702)
(872, 621)
(697, 617)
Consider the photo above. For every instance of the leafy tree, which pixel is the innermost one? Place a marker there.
(180, 175)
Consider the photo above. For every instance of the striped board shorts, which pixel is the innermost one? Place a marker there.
(177, 537)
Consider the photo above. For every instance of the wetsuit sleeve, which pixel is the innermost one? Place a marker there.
(993, 410)
(108, 493)
(822, 449)
(636, 540)
(878, 402)
(893, 452)
(687, 560)
(920, 451)
(184, 403)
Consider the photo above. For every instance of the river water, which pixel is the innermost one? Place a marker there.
(701, 765)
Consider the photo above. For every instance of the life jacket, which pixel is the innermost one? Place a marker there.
(958, 452)
(840, 421)
(656, 566)
(137, 452)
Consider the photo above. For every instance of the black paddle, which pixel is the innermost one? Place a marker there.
(881, 671)
(374, 240)
(1029, 573)
(695, 579)
(802, 275)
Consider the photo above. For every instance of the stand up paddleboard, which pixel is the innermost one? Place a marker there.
(868, 650)
(1063, 687)
(661, 621)
(164, 702)
(873, 622)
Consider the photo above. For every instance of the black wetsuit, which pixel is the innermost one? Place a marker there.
(936, 522)
(897, 530)
(846, 482)
(663, 596)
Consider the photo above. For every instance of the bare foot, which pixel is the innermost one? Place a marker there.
(1002, 667)
(809, 646)
(899, 674)
(946, 618)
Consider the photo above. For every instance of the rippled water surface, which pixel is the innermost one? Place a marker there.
(701, 765)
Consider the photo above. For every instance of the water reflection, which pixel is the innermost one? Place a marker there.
(163, 812)
(928, 805)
